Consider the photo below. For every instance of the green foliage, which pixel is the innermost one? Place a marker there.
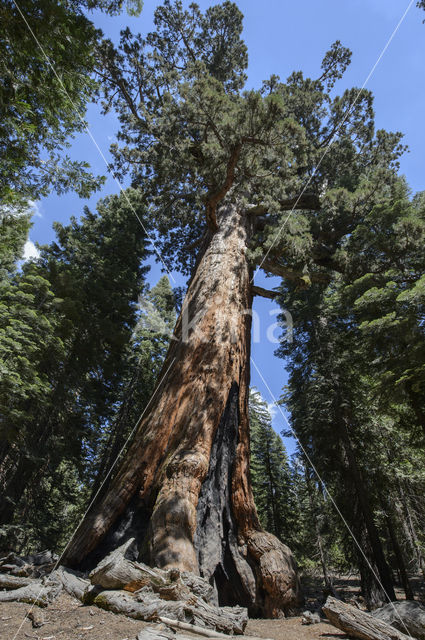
(270, 473)
(67, 320)
(80, 357)
(192, 137)
(28, 341)
(47, 58)
(143, 359)
(14, 228)
(356, 372)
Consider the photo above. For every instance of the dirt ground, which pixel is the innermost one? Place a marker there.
(67, 619)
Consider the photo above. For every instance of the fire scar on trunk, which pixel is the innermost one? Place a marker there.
(183, 488)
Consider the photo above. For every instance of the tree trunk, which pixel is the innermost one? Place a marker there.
(376, 592)
(401, 566)
(16, 485)
(183, 489)
(314, 511)
(403, 509)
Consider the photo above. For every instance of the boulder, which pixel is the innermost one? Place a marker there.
(406, 616)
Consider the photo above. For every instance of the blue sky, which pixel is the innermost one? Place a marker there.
(283, 36)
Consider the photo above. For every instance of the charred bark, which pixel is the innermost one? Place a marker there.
(182, 489)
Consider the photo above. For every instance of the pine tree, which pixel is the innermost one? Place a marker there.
(270, 472)
(350, 404)
(69, 320)
(143, 360)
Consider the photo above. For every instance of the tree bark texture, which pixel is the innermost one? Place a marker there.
(183, 488)
(399, 558)
(359, 624)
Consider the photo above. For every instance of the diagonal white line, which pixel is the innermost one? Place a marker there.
(109, 169)
(328, 494)
(281, 228)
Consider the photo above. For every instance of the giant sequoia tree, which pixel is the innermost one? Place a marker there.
(221, 167)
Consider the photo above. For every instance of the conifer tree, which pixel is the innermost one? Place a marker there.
(47, 62)
(143, 360)
(355, 399)
(270, 472)
(68, 320)
(221, 167)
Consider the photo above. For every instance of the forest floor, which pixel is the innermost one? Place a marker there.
(67, 619)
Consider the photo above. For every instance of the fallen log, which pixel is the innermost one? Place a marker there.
(12, 560)
(39, 592)
(116, 571)
(41, 558)
(13, 582)
(72, 582)
(146, 605)
(359, 624)
(160, 632)
(200, 631)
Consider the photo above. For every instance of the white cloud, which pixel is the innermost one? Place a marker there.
(35, 208)
(272, 409)
(30, 250)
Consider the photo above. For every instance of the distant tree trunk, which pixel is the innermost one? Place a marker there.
(399, 559)
(409, 528)
(183, 486)
(116, 441)
(16, 484)
(322, 553)
(24, 468)
(416, 404)
(272, 490)
(374, 593)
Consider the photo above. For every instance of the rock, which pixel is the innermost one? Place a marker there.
(36, 618)
(406, 616)
(310, 618)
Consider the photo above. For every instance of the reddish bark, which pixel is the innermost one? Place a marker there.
(183, 487)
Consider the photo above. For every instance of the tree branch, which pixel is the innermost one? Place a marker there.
(264, 293)
(119, 82)
(306, 201)
(296, 276)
